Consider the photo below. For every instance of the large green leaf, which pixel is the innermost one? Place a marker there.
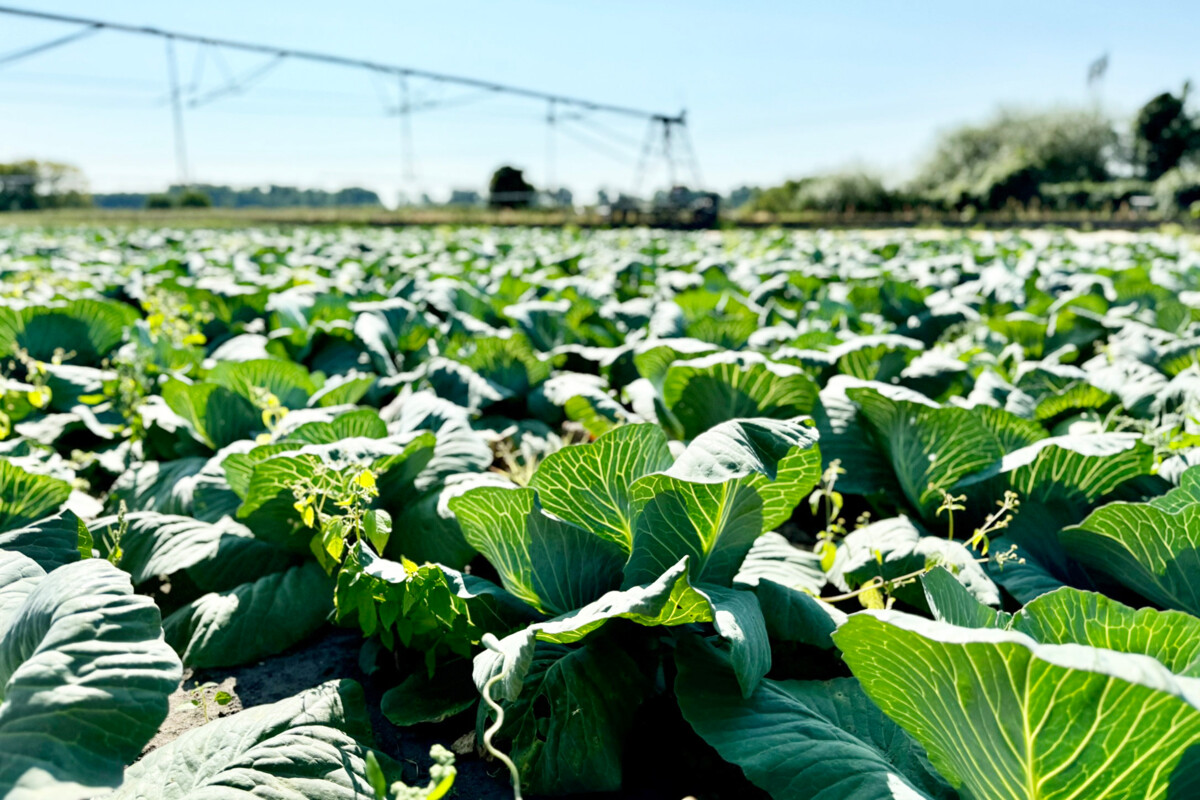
(422, 697)
(364, 422)
(950, 601)
(802, 740)
(26, 498)
(509, 364)
(253, 620)
(1011, 431)
(390, 330)
(460, 448)
(1146, 547)
(668, 601)
(738, 619)
(51, 542)
(931, 448)
(426, 529)
(1003, 716)
(773, 557)
(1071, 616)
(427, 608)
(795, 615)
(567, 729)
(553, 565)
(707, 391)
(309, 747)
(85, 330)
(84, 677)
(845, 436)
(164, 486)
(591, 485)
(219, 416)
(1057, 480)
(732, 484)
(288, 381)
(217, 555)
(396, 461)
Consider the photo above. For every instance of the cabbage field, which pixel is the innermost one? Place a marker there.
(840, 516)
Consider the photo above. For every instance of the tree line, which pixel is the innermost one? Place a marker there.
(1064, 160)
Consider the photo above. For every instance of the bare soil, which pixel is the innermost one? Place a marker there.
(329, 655)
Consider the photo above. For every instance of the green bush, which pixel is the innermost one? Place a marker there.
(195, 199)
(509, 189)
(1177, 190)
(837, 192)
(159, 201)
(31, 185)
(844, 191)
(1164, 134)
(1091, 195)
(1009, 157)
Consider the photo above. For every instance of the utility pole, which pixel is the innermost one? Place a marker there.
(550, 122)
(181, 165)
(408, 172)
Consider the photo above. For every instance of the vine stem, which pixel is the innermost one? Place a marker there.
(877, 582)
(494, 729)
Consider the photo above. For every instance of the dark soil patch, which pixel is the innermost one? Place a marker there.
(330, 655)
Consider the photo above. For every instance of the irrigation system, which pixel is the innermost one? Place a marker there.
(666, 134)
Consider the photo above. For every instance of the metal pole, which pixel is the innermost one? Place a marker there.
(550, 122)
(693, 162)
(643, 157)
(408, 172)
(41, 48)
(667, 154)
(181, 164)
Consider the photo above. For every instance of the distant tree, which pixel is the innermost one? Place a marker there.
(509, 189)
(1011, 155)
(844, 191)
(835, 192)
(356, 196)
(465, 197)
(159, 201)
(562, 198)
(1164, 134)
(740, 197)
(18, 186)
(120, 200)
(195, 199)
(778, 199)
(602, 198)
(30, 185)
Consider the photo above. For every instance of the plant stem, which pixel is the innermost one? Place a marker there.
(494, 729)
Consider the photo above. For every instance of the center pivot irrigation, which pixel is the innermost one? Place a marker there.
(664, 130)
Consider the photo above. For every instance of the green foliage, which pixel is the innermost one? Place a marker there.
(836, 192)
(84, 676)
(509, 189)
(313, 745)
(1164, 133)
(31, 185)
(565, 474)
(1009, 157)
(157, 202)
(195, 199)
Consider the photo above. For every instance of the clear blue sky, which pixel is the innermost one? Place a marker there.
(773, 89)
